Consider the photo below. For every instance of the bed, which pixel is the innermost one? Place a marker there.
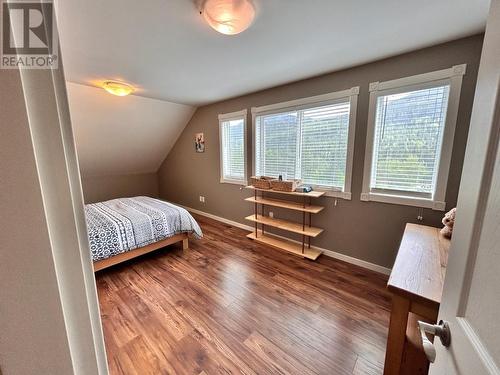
(124, 228)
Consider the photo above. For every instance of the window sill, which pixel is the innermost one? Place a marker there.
(334, 193)
(234, 182)
(404, 200)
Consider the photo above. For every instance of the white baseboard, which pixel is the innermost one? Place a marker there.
(218, 218)
(329, 253)
(355, 261)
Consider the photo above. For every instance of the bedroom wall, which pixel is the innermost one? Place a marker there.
(49, 316)
(369, 231)
(101, 188)
(33, 338)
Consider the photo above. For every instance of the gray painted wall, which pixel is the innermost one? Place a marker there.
(45, 298)
(33, 338)
(102, 188)
(370, 231)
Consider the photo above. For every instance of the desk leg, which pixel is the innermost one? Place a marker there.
(397, 335)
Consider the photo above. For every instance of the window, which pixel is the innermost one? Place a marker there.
(411, 123)
(232, 128)
(309, 139)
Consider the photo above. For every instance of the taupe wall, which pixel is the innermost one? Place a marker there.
(101, 188)
(370, 231)
(33, 337)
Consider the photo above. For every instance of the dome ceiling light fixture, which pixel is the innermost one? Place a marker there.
(228, 17)
(117, 88)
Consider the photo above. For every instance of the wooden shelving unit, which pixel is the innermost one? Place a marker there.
(285, 225)
(312, 194)
(281, 244)
(304, 228)
(285, 204)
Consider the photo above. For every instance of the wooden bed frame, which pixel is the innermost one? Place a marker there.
(105, 263)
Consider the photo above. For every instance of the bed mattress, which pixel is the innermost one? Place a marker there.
(124, 224)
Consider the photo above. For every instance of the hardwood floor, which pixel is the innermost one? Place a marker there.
(228, 305)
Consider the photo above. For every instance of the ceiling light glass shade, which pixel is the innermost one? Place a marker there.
(117, 88)
(229, 16)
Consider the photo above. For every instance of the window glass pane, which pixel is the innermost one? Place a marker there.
(324, 145)
(308, 144)
(408, 135)
(233, 157)
(277, 139)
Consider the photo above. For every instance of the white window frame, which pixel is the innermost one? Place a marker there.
(315, 101)
(239, 115)
(451, 76)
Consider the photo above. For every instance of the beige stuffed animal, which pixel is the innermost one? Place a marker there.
(449, 222)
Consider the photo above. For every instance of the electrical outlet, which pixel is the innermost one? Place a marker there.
(271, 214)
(202, 199)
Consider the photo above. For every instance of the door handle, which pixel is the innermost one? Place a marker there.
(441, 330)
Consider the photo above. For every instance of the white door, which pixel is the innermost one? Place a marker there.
(471, 297)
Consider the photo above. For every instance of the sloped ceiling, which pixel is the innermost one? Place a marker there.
(168, 51)
(123, 135)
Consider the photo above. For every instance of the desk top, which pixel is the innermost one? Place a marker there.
(420, 266)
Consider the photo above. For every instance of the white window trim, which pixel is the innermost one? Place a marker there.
(452, 76)
(304, 103)
(238, 115)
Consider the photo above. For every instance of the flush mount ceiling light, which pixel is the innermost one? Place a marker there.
(117, 88)
(228, 17)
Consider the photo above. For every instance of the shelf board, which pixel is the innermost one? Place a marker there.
(312, 194)
(286, 204)
(285, 225)
(285, 245)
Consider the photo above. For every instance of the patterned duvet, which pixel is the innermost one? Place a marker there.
(125, 224)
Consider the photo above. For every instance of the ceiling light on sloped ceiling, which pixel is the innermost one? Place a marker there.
(117, 88)
(228, 17)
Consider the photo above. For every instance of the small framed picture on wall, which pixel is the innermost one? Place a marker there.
(199, 142)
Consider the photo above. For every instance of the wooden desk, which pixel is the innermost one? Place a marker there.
(416, 283)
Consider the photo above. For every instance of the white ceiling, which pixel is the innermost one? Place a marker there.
(165, 48)
(123, 135)
(167, 51)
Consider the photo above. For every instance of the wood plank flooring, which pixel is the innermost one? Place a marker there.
(229, 305)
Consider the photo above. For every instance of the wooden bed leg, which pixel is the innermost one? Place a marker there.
(185, 244)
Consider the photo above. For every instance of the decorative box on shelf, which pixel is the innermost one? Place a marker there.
(272, 183)
(284, 185)
(261, 182)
